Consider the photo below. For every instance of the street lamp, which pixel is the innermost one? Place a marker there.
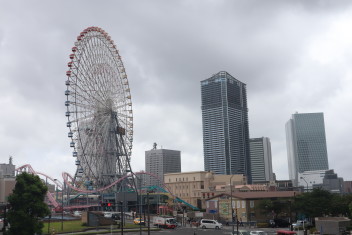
(140, 203)
(62, 202)
(148, 212)
(305, 181)
(232, 217)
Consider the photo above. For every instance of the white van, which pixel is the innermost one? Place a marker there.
(208, 223)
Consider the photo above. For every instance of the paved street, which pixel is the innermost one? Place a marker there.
(199, 231)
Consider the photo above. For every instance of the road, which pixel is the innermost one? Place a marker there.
(198, 231)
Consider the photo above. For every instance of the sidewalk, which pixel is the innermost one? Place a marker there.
(105, 231)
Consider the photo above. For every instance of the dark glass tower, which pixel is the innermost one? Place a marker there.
(225, 125)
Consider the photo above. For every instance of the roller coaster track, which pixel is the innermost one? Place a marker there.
(67, 178)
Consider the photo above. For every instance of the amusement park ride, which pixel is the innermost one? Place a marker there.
(100, 122)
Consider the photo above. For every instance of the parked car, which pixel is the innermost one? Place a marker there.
(115, 216)
(139, 221)
(279, 223)
(301, 224)
(258, 233)
(208, 223)
(241, 232)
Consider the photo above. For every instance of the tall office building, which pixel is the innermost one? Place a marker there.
(159, 162)
(261, 163)
(306, 144)
(225, 125)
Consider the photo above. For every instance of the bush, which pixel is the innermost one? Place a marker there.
(262, 225)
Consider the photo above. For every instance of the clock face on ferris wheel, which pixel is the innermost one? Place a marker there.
(99, 109)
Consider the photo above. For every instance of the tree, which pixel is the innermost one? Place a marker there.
(340, 205)
(274, 207)
(314, 204)
(27, 205)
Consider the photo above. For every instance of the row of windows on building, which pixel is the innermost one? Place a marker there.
(237, 204)
(182, 179)
(183, 186)
(195, 194)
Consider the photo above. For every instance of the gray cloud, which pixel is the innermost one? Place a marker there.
(293, 56)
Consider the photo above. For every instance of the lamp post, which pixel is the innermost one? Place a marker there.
(62, 202)
(148, 213)
(232, 217)
(62, 206)
(140, 204)
(305, 181)
(121, 203)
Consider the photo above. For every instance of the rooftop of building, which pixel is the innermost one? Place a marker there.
(258, 195)
(189, 172)
(222, 74)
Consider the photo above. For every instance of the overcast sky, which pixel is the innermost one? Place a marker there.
(293, 56)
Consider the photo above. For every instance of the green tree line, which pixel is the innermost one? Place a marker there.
(317, 203)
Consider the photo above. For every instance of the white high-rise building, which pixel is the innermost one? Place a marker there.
(261, 163)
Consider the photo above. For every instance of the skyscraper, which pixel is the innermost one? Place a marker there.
(225, 125)
(161, 161)
(261, 163)
(306, 144)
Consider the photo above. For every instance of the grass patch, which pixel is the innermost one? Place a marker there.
(66, 226)
(77, 226)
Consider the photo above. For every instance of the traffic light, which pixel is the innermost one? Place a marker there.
(109, 204)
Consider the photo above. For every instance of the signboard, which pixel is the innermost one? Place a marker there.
(199, 214)
(224, 208)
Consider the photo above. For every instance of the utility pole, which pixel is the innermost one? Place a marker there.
(140, 205)
(232, 217)
(121, 217)
(62, 206)
(148, 213)
(306, 182)
(237, 220)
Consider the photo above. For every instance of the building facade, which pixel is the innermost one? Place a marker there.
(196, 186)
(306, 144)
(246, 205)
(261, 161)
(225, 125)
(7, 180)
(159, 162)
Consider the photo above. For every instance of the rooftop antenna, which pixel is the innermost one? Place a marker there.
(154, 146)
(10, 160)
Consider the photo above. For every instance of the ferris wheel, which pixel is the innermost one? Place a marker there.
(99, 109)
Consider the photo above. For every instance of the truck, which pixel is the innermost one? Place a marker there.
(164, 222)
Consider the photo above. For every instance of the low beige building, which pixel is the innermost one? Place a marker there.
(245, 205)
(197, 186)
